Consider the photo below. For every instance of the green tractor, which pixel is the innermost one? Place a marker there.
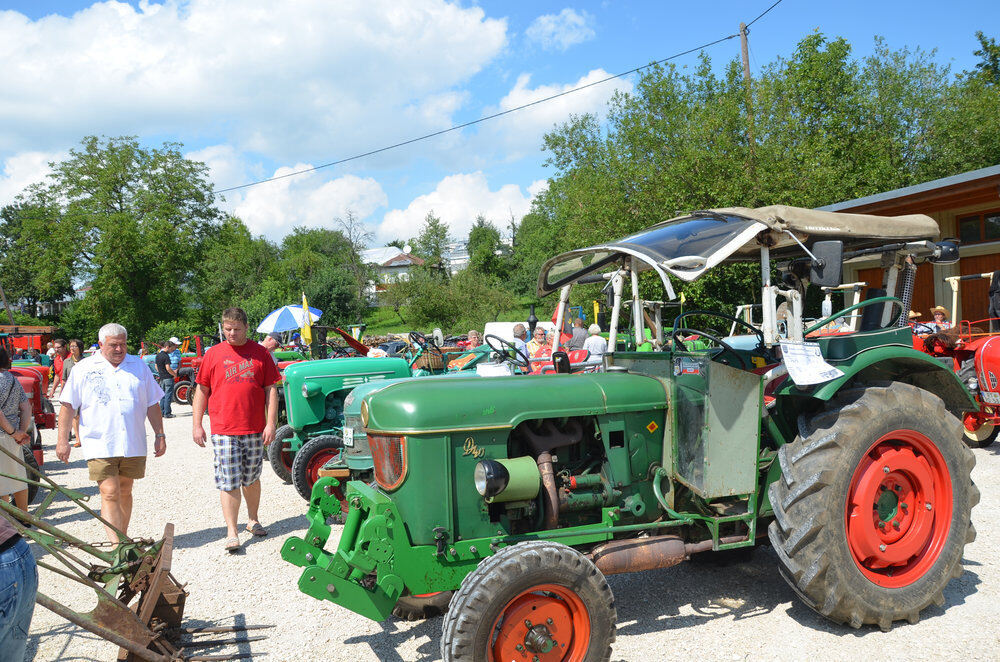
(514, 497)
(314, 393)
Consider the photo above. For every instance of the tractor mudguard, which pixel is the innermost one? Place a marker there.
(893, 363)
(503, 402)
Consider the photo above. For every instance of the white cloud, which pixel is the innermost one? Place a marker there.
(520, 133)
(290, 81)
(274, 208)
(562, 30)
(458, 200)
(23, 169)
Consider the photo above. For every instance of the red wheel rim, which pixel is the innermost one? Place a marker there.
(317, 462)
(547, 622)
(182, 392)
(898, 511)
(287, 456)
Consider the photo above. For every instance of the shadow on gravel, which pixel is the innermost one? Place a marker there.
(385, 643)
(214, 535)
(67, 630)
(242, 647)
(954, 594)
(653, 601)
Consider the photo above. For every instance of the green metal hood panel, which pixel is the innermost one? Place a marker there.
(502, 402)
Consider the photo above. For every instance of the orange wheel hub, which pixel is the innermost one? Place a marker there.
(548, 622)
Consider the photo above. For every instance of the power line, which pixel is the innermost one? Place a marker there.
(457, 127)
(763, 13)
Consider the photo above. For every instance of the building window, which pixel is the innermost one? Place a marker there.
(977, 228)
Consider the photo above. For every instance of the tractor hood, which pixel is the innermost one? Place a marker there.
(470, 403)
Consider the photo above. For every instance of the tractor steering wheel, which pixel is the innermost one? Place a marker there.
(711, 313)
(678, 342)
(508, 351)
(424, 343)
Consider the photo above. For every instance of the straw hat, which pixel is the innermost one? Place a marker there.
(940, 309)
(913, 315)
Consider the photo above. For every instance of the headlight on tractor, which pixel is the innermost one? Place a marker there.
(364, 413)
(516, 479)
(389, 458)
(972, 384)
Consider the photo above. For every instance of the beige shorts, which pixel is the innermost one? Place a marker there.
(126, 467)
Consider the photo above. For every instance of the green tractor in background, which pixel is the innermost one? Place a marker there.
(314, 393)
(513, 497)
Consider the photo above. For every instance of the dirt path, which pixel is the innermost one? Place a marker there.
(741, 612)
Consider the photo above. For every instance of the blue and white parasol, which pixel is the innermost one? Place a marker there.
(287, 318)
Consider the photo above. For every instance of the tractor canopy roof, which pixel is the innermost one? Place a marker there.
(689, 245)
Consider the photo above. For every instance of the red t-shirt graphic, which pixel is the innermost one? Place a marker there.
(237, 377)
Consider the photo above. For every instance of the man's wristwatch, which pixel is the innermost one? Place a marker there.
(160, 434)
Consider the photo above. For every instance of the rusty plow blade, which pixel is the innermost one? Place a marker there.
(131, 570)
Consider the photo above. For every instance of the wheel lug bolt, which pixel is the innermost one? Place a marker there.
(885, 470)
(519, 647)
(898, 488)
(527, 623)
(881, 525)
(549, 621)
(895, 525)
(928, 506)
(903, 506)
(881, 488)
(881, 548)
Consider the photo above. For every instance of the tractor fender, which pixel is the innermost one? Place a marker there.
(895, 364)
(471, 403)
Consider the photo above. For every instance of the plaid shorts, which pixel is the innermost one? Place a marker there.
(238, 459)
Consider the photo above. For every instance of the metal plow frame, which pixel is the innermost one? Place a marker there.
(148, 630)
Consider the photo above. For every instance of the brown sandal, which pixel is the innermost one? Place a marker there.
(256, 529)
(232, 545)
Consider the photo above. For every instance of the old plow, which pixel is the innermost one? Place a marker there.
(140, 604)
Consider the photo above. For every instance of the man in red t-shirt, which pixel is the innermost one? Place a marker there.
(237, 381)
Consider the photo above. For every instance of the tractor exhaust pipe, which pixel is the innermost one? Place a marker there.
(638, 554)
(550, 496)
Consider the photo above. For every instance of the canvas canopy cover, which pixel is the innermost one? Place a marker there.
(691, 244)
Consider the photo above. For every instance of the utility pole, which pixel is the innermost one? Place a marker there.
(745, 47)
(3, 297)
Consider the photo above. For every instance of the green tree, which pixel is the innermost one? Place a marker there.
(234, 264)
(486, 249)
(137, 217)
(989, 53)
(37, 255)
(432, 242)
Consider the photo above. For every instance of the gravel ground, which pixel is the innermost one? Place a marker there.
(739, 612)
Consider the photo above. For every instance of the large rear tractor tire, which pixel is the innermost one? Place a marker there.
(279, 453)
(872, 511)
(419, 607)
(534, 599)
(310, 459)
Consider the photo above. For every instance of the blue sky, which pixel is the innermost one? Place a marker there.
(257, 89)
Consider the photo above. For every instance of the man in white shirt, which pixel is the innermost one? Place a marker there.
(115, 393)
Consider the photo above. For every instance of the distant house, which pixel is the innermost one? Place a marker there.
(49, 308)
(391, 264)
(456, 256)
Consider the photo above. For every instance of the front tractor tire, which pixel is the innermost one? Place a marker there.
(872, 511)
(310, 459)
(419, 607)
(982, 436)
(534, 600)
(279, 453)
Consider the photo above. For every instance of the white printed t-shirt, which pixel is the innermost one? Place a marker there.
(112, 402)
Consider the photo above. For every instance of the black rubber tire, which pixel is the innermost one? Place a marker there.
(467, 628)
(182, 387)
(29, 459)
(300, 466)
(417, 608)
(274, 453)
(809, 533)
(977, 440)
